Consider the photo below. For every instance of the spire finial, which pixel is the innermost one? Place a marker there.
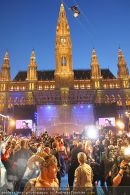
(123, 71)
(6, 68)
(62, 7)
(33, 55)
(93, 52)
(120, 52)
(6, 57)
(94, 57)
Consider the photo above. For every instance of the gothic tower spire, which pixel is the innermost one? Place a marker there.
(123, 71)
(32, 67)
(95, 67)
(95, 70)
(64, 75)
(5, 72)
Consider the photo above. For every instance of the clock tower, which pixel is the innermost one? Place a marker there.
(64, 75)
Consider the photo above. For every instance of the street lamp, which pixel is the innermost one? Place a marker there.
(12, 122)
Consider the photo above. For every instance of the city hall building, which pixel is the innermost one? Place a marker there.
(64, 86)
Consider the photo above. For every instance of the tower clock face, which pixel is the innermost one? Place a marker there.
(63, 40)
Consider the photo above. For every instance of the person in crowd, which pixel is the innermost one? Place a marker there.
(3, 181)
(3, 172)
(47, 178)
(20, 161)
(24, 125)
(108, 122)
(121, 177)
(83, 174)
(32, 169)
(73, 145)
(47, 150)
(61, 147)
(11, 169)
(63, 156)
(55, 152)
(73, 164)
(6, 154)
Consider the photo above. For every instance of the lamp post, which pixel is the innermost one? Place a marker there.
(5, 120)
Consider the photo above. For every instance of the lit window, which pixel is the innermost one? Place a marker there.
(40, 87)
(11, 89)
(46, 87)
(52, 86)
(76, 86)
(105, 86)
(82, 86)
(111, 85)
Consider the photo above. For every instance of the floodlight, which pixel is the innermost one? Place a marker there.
(12, 122)
(127, 151)
(120, 124)
(92, 132)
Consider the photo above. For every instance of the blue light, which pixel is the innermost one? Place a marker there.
(35, 115)
(48, 107)
(89, 106)
(81, 106)
(74, 107)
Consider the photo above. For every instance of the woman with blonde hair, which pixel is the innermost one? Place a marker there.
(47, 178)
(83, 173)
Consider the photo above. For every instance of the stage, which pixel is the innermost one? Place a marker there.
(64, 119)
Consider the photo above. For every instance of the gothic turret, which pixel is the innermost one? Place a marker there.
(0, 73)
(5, 72)
(32, 68)
(123, 72)
(64, 75)
(122, 66)
(95, 67)
(95, 70)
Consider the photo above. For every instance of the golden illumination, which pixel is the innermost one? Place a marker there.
(127, 151)
(120, 124)
(12, 122)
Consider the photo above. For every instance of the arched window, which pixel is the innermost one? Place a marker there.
(63, 61)
(113, 99)
(107, 99)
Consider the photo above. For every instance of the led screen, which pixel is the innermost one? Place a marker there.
(23, 124)
(107, 122)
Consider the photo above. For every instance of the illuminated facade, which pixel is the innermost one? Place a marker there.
(64, 85)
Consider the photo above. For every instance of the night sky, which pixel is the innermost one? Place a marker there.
(28, 24)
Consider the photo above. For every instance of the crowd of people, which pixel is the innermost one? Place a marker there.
(37, 163)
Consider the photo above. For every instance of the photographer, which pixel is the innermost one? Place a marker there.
(121, 175)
